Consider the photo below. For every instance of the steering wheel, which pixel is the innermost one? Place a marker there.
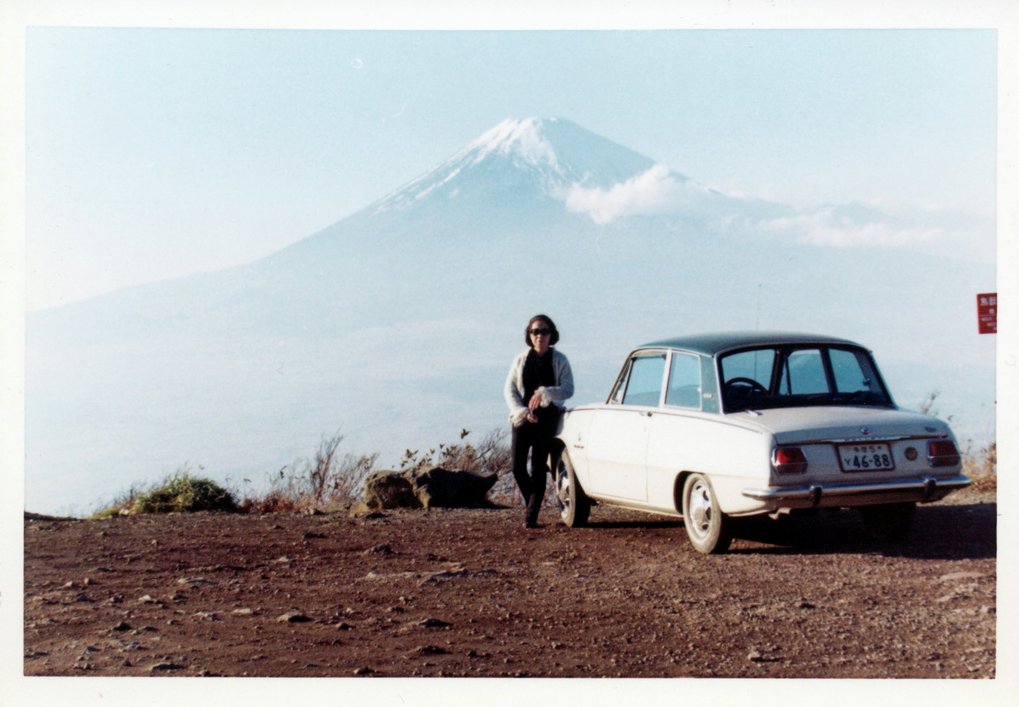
(749, 382)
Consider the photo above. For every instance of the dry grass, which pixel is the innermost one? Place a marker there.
(326, 481)
(981, 465)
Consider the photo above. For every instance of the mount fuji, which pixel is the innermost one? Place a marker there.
(396, 325)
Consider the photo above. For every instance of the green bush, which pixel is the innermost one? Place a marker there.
(179, 493)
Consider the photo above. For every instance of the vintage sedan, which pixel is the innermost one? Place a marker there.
(721, 426)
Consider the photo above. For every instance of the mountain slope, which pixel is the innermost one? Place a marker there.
(397, 323)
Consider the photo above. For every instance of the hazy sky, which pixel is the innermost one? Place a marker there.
(154, 153)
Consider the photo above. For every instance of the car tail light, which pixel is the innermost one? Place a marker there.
(942, 452)
(788, 460)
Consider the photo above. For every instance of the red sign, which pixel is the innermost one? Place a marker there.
(987, 312)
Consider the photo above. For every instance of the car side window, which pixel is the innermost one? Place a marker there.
(644, 385)
(684, 382)
(620, 387)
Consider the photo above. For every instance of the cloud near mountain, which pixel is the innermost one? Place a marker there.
(659, 191)
(656, 191)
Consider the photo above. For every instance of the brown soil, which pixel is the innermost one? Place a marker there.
(472, 593)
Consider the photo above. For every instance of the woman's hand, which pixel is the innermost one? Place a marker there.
(536, 400)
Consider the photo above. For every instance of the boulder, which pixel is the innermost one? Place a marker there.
(389, 489)
(443, 488)
(427, 488)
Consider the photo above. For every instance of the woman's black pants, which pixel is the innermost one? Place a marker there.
(535, 439)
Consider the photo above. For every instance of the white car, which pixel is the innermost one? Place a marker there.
(719, 426)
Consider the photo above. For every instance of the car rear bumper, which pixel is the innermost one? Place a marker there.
(819, 495)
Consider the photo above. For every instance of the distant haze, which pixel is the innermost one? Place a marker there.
(396, 325)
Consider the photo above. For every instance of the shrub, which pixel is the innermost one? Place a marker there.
(323, 480)
(982, 466)
(178, 493)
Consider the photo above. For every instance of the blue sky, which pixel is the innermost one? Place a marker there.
(154, 153)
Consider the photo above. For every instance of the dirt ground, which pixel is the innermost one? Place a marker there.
(472, 593)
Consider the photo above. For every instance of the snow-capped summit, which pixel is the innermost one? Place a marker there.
(522, 138)
(547, 155)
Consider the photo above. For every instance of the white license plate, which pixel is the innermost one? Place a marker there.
(865, 457)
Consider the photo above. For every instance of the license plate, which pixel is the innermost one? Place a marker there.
(866, 457)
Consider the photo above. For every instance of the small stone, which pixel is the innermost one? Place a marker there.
(364, 671)
(243, 612)
(122, 626)
(434, 623)
(147, 599)
(379, 550)
(193, 581)
(293, 617)
(165, 667)
(432, 650)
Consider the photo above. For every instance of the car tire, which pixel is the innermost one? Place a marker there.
(706, 526)
(574, 505)
(888, 522)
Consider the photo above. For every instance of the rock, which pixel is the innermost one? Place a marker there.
(390, 489)
(379, 550)
(453, 489)
(434, 487)
(122, 626)
(293, 617)
(431, 650)
(434, 623)
(193, 581)
(243, 612)
(165, 667)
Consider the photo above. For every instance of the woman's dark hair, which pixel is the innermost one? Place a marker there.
(553, 340)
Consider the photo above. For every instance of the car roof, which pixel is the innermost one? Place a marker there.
(713, 343)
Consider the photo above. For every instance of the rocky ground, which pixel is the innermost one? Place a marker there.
(471, 593)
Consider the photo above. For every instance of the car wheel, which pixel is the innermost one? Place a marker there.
(888, 522)
(706, 525)
(574, 505)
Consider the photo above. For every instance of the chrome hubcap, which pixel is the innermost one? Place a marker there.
(562, 488)
(699, 507)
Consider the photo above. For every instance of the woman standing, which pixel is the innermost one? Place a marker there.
(539, 381)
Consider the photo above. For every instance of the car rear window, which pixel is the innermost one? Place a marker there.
(797, 376)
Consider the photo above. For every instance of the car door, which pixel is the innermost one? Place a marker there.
(676, 432)
(617, 441)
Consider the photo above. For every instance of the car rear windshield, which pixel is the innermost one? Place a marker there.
(769, 377)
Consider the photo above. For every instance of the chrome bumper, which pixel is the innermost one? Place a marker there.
(817, 495)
